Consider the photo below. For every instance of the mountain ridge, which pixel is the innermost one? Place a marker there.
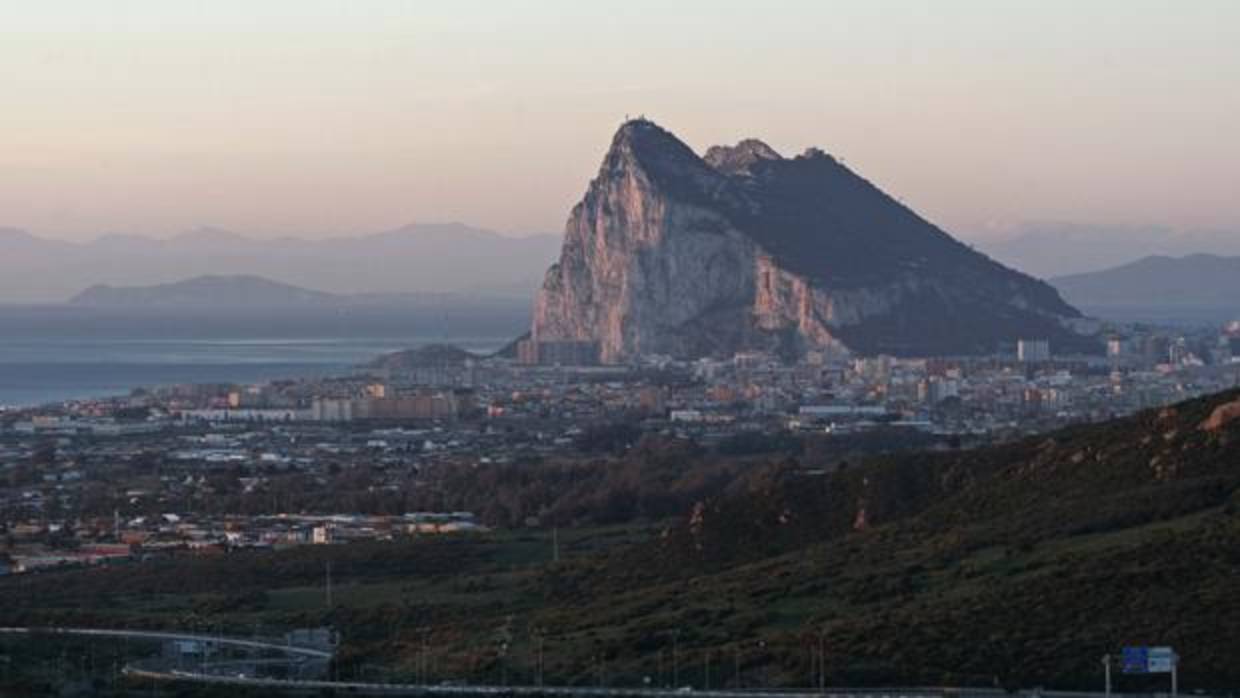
(225, 291)
(1050, 249)
(206, 290)
(667, 253)
(1159, 280)
(413, 258)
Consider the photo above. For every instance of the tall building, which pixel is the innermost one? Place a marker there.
(1033, 350)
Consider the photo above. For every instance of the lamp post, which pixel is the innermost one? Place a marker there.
(503, 663)
(822, 660)
(761, 645)
(675, 663)
(538, 633)
(736, 655)
(706, 672)
(424, 665)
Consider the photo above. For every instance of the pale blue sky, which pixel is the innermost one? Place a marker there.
(314, 117)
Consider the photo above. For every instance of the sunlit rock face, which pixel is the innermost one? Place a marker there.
(672, 253)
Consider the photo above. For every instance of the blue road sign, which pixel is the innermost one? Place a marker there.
(1148, 660)
(1135, 660)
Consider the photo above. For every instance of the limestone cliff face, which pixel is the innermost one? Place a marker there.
(670, 253)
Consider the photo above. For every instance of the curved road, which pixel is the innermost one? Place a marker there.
(368, 688)
(292, 650)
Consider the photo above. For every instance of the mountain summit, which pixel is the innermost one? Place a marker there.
(672, 253)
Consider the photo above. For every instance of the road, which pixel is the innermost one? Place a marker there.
(389, 689)
(240, 643)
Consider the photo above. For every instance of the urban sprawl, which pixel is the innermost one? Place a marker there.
(191, 469)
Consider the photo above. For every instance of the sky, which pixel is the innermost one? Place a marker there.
(312, 118)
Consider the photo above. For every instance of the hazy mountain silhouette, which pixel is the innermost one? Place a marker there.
(206, 291)
(244, 292)
(1054, 249)
(1194, 280)
(451, 258)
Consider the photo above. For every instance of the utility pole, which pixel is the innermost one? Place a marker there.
(329, 585)
(1175, 675)
(1106, 665)
(706, 673)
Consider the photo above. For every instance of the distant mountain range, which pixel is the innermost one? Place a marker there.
(243, 291)
(452, 258)
(203, 291)
(257, 306)
(1160, 284)
(1052, 249)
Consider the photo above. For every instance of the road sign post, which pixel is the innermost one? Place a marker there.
(1151, 660)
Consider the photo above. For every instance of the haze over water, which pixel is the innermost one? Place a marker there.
(53, 354)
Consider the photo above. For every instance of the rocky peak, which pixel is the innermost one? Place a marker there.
(740, 157)
(644, 144)
(671, 253)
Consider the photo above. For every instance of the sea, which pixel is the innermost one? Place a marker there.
(51, 354)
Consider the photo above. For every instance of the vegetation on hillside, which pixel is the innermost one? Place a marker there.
(1016, 565)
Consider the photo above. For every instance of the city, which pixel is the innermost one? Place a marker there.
(171, 468)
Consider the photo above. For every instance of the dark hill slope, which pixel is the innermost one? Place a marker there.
(1017, 565)
(1022, 564)
(1156, 465)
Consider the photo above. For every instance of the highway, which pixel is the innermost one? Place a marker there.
(297, 653)
(366, 688)
(240, 643)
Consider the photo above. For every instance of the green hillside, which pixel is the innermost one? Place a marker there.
(1019, 565)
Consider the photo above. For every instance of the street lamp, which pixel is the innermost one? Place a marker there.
(822, 660)
(737, 657)
(538, 633)
(761, 644)
(424, 665)
(675, 663)
(503, 663)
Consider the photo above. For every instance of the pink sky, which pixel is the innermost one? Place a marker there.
(312, 118)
